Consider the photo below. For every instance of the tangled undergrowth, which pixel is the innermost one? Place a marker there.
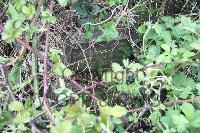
(73, 66)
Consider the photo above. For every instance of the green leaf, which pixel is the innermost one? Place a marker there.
(62, 3)
(158, 28)
(167, 119)
(4, 59)
(15, 73)
(16, 106)
(63, 91)
(114, 2)
(195, 122)
(12, 11)
(141, 76)
(188, 54)
(166, 47)
(89, 30)
(12, 30)
(186, 21)
(19, 4)
(5, 118)
(188, 110)
(116, 67)
(20, 86)
(30, 30)
(142, 29)
(109, 32)
(181, 122)
(23, 117)
(185, 92)
(125, 63)
(118, 111)
(179, 79)
(61, 70)
(75, 110)
(29, 11)
(47, 17)
(154, 50)
(134, 67)
(195, 45)
(63, 127)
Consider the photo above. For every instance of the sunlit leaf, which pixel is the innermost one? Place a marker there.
(16, 106)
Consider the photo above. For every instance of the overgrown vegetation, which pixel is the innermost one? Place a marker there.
(153, 87)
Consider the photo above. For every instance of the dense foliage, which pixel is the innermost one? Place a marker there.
(155, 88)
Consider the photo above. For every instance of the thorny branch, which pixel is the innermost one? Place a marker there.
(45, 76)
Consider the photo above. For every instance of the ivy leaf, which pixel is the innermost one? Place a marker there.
(62, 3)
(109, 32)
(16, 106)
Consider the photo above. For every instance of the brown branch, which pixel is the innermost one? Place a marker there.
(166, 103)
(83, 89)
(48, 110)
(45, 81)
(45, 76)
(6, 83)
